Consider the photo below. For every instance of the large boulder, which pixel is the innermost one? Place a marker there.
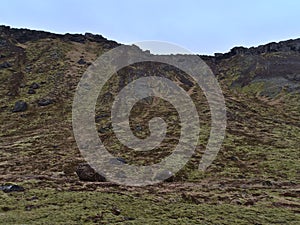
(86, 173)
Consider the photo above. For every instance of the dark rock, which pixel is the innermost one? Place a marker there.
(20, 106)
(5, 65)
(102, 130)
(31, 91)
(75, 38)
(5, 208)
(33, 198)
(45, 102)
(234, 158)
(99, 117)
(29, 207)
(116, 211)
(3, 43)
(28, 69)
(118, 161)
(86, 173)
(81, 62)
(218, 55)
(292, 194)
(267, 183)
(107, 97)
(138, 128)
(250, 202)
(128, 218)
(11, 188)
(24, 35)
(94, 37)
(283, 46)
(34, 86)
(121, 160)
(185, 81)
(105, 129)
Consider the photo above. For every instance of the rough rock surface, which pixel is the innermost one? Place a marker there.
(86, 173)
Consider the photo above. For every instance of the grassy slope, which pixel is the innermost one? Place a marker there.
(255, 178)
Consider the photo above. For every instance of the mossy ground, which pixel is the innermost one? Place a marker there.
(179, 203)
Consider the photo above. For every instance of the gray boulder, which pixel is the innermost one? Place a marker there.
(20, 106)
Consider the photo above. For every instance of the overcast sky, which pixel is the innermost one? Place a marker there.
(203, 27)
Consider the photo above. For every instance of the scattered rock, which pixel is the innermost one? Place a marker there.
(28, 69)
(249, 202)
(138, 128)
(128, 218)
(5, 208)
(34, 86)
(234, 158)
(99, 117)
(11, 188)
(20, 106)
(102, 130)
(31, 91)
(86, 173)
(107, 97)
(81, 62)
(105, 129)
(45, 102)
(97, 219)
(116, 211)
(29, 207)
(33, 198)
(267, 183)
(5, 65)
(118, 161)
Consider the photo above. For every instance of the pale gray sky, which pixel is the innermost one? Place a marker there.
(203, 27)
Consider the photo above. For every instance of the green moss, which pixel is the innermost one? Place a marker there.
(49, 206)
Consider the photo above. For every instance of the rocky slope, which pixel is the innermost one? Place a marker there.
(255, 171)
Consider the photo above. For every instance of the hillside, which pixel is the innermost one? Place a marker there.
(254, 179)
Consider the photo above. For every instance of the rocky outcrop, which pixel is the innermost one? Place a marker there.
(25, 35)
(283, 46)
